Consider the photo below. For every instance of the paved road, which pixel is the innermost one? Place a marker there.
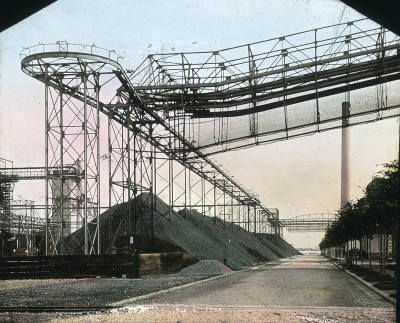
(288, 290)
(307, 280)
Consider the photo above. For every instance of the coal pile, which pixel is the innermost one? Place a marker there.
(231, 243)
(194, 233)
(115, 237)
(278, 245)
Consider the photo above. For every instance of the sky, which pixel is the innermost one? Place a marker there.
(298, 176)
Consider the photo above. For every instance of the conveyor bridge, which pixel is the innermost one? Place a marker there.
(317, 222)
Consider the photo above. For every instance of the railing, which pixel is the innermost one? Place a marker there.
(64, 46)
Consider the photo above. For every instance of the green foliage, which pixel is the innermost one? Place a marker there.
(371, 213)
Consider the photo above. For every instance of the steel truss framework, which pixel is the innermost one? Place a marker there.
(6, 195)
(264, 85)
(21, 217)
(309, 222)
(159, 135)
(25, 224)
(139, 144)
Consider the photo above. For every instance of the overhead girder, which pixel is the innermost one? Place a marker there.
(205, 102)
(269, 81)
(274, 74)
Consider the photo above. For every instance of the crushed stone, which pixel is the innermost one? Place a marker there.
(205, 268)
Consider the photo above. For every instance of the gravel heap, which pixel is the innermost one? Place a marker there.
(195, 234)
(205, 268)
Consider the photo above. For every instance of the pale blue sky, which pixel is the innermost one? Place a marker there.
(299, 176)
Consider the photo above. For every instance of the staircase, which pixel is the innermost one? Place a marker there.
(6, 188)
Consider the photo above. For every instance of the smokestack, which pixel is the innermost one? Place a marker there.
(345, 171)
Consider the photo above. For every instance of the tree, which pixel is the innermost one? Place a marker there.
(373, 213)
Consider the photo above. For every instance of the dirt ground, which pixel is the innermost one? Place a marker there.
(94, 292)
(209, 314)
